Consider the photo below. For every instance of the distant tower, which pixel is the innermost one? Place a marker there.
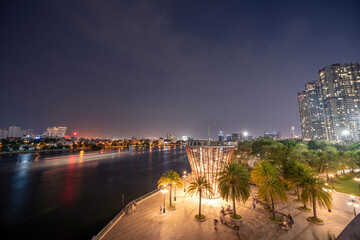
(292, 133)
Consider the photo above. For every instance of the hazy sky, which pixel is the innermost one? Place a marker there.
(145, 68)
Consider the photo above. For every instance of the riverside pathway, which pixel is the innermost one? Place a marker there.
(149, 223)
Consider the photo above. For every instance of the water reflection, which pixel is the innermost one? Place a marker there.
(85, 188)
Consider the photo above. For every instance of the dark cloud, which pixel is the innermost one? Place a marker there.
(124, 68)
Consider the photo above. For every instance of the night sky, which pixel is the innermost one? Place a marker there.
(145, 68)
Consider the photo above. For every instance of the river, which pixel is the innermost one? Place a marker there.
(59, 195)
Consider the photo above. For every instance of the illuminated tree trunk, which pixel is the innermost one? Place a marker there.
(200, 204)
(170, 194)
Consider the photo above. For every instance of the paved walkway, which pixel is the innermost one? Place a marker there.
(148, 223)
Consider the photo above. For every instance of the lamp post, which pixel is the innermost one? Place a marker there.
(354, 203)
(332, 179)
(184, 180)
(245, 135)
(345, 133)
(164, 190)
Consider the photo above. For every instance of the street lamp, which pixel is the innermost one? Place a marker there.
(184, 180)
(245, 134)
(345, 133)
(164, 190)
(332, 179)
(353, 202)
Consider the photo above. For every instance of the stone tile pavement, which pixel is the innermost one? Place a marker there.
(149, 223)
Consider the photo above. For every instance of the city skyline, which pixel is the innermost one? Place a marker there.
(146, 69)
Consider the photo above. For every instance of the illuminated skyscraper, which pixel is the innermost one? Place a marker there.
(312, 118)
(329, 109)
(340, 86)
(208, 161)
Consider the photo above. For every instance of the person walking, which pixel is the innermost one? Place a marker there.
(254, 204)
(134, 204)
(215, 224)
(131, 208)
(160, 208)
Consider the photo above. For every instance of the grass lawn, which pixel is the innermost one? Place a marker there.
(346, 184)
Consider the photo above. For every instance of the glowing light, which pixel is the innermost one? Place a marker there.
(345, 132)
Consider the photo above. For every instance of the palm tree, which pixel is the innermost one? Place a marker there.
(270, 184)
(274, 190)
(199, 186)
(262, 171)
(234, 183)
(314, 191)
(326, 161)
(296, 172)
(168, 179)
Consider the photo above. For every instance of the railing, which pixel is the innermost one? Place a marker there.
(107, 228)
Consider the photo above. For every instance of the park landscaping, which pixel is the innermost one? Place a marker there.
(346, 184)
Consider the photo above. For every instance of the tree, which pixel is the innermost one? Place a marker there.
(199, 186)
(315, 191)
(326, 161)
(297, 171)
(234, 183)
(269, 182)
(262, 171)
(168, 179)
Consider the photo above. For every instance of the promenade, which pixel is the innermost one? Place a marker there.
(149, 223)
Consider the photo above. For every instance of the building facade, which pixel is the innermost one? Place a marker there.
(340, 86)
(221, 136)
(55, 132)
(276, 135)
(14, 132)
(329, 108)
(311, 110)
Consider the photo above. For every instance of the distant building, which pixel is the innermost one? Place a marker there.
(221, 136)
(340, 87)
(273, 135)
(329, 108)
(171, 136)
(292, 132)
(311, 110)
(228, 138)
(235, 137)
(55, 132)
(27, 133)
(14, 132)
(4, 133)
